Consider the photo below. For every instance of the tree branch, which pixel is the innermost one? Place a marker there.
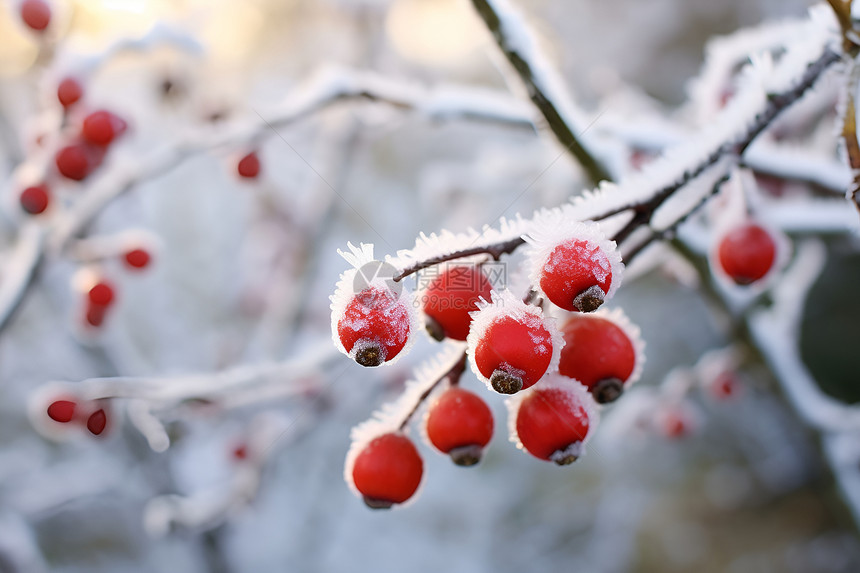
(518, 47)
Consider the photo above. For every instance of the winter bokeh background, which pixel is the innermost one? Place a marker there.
(243, 272)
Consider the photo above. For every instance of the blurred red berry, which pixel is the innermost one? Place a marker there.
(69, 92)
(102, 127)
(36, 14)
(747, 253)
(97, 422)
(35, 199)
(62, 411)
(101, 294)
(137, 258)
(249, 166)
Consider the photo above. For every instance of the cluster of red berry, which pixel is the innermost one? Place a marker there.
(101, 293)
(89, 414)
(555, 375)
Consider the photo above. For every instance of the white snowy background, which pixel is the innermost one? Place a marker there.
(243, 274)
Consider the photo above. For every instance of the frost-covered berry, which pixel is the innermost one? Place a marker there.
(35, 199)
(102, 127)
(553, 420)
(62, 411)
(374, 327)
(69, 92)
(137, 258)
(449, 299)
(95, 315)
(747, 253)
(459, 423)
(249, 166)
(511, 344)
(36, 14)
(600, 351)
(97, 422)
(573, 264)
(386, 471)
(373, 317)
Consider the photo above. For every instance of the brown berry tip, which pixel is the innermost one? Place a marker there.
(568, 455)
(505, 382)
(466, 455)
(374, 503)
(434, 329)
(370, 355)
(607, 390)
(589, 300)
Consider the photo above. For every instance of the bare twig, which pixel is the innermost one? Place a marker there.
(452, 375)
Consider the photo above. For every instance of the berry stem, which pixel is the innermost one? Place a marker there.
(452, 375)
(495, 250)
(669, 232)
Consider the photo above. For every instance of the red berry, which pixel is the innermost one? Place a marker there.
(249, 166)
(675, 425)
(725, 386)
(36, 14)
(387, 471)
(69, 92)
(240, 452)
(62, 411)
(74, 161)
(746, 253)
(510, 344)
(552, 422)
(375, 326)
(97, 422)
(35, 199)
(451, 297)
(102, 127)
(597, 353)
(95, 315)
(460, 424)
(577, 275)
(101, 294)
(137, 258)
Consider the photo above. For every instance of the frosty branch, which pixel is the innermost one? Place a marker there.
(519, 47)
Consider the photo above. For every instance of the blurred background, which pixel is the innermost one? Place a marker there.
(241, 274)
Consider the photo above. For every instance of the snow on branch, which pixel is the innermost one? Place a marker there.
(767, 89)
(545, 89)
(151, 400)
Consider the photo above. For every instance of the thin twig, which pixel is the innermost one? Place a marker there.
(495, 250)
(452, 375)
